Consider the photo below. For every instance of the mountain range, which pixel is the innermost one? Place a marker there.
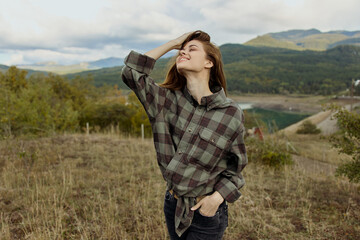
(74, 68)
(267, 70)
(273, 67)
(311, 39)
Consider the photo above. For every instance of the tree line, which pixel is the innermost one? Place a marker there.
(42, 104)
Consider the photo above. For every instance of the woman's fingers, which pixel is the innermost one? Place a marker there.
(196, 206)
(179, 41)
(206, 207)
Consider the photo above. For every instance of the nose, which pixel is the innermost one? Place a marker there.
(182, 52)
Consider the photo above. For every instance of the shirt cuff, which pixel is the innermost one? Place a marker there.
(140, 62)
(227, 190)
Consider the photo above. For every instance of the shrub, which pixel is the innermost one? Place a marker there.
(271, 152)
(32, 107)
(347, 141)
(350, 170)
(308, 127)
(276, 159)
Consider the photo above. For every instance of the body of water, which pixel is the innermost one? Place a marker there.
(281, 119)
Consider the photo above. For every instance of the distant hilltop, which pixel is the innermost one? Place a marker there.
(311, 39)
(75, 68)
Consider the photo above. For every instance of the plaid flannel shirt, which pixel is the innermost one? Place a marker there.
(200, 147)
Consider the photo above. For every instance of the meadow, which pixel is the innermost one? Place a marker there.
(108, 186)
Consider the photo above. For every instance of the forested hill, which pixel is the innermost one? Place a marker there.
(4, 68)
(270, 70)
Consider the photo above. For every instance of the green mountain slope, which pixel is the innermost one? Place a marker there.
(109, 76)
(285, 71)
(269, 70)
(311, 39)
(4, 68)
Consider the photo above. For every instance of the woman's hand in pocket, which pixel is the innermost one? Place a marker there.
(209, 204)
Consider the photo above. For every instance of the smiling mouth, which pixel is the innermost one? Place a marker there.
(182, 59)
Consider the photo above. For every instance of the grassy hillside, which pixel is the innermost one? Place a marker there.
(311, 39)
(109, 76)
(269, 41)
(110, 187)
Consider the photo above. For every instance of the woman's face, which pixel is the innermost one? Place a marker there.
(192, 57)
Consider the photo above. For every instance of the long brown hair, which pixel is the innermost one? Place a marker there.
(175, 81)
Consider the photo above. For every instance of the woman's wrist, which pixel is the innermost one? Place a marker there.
(175, 44)
(156, 53)
(217, 197)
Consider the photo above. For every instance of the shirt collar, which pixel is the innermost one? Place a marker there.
(217, 99)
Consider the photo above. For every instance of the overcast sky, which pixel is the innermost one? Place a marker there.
(72, 31)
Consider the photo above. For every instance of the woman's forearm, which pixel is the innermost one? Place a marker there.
(156, 53)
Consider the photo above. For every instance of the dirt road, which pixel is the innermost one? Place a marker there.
(323, 120)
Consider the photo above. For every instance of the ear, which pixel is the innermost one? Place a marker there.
(209, 64)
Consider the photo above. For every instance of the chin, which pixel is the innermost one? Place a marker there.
(180, 69)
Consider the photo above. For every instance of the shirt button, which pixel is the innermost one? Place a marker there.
(190, 130)
(180, 152)
(212, 140)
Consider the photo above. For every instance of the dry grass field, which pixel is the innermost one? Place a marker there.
(316, 147)
(297, 103)
(110, 187)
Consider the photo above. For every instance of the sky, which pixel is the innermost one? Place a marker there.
(74, 31)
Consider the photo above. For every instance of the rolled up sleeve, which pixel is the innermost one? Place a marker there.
(135, 75)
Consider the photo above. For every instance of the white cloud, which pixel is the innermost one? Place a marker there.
(69, 31)
(64, 55)
(15, 58)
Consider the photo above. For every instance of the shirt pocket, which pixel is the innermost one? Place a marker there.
(208, 148)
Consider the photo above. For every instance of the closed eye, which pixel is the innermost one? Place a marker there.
(192, 47)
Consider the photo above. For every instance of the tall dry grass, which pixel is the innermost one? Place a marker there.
(317, 147)
(110, 187)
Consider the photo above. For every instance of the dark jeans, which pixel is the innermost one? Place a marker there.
(201, 227)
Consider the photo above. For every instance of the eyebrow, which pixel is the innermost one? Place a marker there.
(192, 45)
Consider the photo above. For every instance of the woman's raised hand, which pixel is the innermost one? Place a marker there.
(179, 41)
(176, 43)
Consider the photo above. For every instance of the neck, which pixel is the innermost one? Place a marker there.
(198, 86)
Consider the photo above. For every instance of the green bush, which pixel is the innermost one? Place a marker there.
(350, 170)
(271, 152)
(30, 106)
(308, 127)
(106, 114)
(276, 159)
(347, 141)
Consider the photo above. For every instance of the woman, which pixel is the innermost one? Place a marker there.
(198, 134)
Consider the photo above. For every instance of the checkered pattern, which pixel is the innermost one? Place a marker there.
(200, 147)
